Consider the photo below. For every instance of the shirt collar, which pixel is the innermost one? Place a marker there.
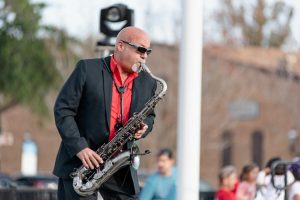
(116, 73)
(113, 64)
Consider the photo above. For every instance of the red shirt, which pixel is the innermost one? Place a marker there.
(115, 113)
(236, 185)
(223, 194)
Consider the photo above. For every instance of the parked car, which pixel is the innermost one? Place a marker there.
(6, 181)
(37, 181)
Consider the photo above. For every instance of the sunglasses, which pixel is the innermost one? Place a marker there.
(140, 49)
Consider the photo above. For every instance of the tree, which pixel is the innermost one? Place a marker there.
(27, 64)
(257, 25)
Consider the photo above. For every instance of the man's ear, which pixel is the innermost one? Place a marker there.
(120, 46)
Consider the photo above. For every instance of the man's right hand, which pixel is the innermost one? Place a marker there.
(89, 158)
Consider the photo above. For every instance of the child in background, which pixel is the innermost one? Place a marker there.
(228, 179)
(247, 187)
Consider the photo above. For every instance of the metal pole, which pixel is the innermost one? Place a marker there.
(189, 107)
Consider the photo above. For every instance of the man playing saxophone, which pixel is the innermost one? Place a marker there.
(97, 100)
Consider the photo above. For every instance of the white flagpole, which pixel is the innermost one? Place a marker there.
(189, 107)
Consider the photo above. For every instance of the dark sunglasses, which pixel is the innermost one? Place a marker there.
(140, 49)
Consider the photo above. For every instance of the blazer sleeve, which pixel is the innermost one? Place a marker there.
(65, 110)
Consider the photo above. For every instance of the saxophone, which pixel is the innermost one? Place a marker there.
(87, 181)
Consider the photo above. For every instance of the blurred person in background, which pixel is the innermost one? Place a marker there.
(98, 98)
(247, 187)
(227, 180)
(294, 193)
(162, 184)
(265, 189)
(236, 185)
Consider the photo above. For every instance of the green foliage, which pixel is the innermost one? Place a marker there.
(27, 67)
(260, 24)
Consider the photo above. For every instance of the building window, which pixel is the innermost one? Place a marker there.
(226, 148)
(257, 145)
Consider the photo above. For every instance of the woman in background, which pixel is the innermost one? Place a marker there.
(247, 187)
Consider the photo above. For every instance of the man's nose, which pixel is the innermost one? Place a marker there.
(144, 55)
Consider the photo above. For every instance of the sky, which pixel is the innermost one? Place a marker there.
(81, 18)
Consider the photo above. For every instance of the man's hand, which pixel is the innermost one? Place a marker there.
(140, 131)
(89, 158)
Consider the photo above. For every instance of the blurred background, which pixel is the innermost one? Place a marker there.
(250, 88)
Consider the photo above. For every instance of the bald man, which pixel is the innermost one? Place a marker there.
(97, 99)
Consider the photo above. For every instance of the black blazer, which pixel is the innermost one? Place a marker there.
(82, 112)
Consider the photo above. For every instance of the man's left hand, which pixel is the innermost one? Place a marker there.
(140, 132)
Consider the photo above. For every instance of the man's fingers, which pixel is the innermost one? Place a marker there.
(94, 161)
(88, 161)
(98, 158)
(89, 158)
(84, 163)
(143, 129)
(145, 126)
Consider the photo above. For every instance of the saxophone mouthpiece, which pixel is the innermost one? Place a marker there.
(137, 67)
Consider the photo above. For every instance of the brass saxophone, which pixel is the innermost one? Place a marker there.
(86, 181)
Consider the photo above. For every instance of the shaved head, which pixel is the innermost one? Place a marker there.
(131, 33)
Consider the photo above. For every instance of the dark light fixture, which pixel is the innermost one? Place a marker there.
(115, 18)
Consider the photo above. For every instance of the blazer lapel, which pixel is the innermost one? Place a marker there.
(135, 94)
(107, 84)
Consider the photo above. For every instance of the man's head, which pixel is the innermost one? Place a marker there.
(279, 170)
(272, 161)
(165, 161)
(132, 46)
